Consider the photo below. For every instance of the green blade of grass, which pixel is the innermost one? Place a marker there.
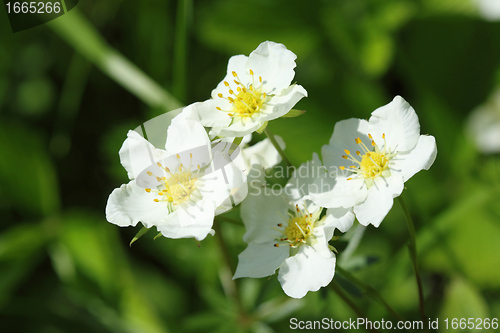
(75, 29)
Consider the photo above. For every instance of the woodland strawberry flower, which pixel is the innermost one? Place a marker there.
(176, 189)
(372, 160)
(256, 89)
(288, 236)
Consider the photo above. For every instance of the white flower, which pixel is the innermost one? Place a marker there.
(369, 161)
(489, 9)
(176, 189)
(483, 125)
(256, 89)
(285, 236)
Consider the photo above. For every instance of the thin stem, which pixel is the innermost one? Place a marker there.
(180, 54)
(359, 313)
(277, 146)
(232, 287)
(413, 255)
(368, 290)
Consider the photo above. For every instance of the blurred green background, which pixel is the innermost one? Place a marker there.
(70, 90)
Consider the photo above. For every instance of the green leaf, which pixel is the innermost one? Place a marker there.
(94, 250)
(462, 300)
(20, 251)
(460, 245)
(294, 113)
(27, 177)
(138, 235)
(235, 144)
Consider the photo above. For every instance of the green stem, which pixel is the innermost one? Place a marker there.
(277, 146)
(232, 289)
(368, 290)
(413, 255)
(180, 51)
(337, 289)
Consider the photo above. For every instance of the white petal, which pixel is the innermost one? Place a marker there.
(235, 64)
(185, 134)
(419, 158)
(280, 104)
(130, 204)
(336, 190)
(210, 116)
(154, 128)
(263, 153)
(231, 185)
(399, 122)
(239, 128)
(262, 210)
(260, 260)
(323, 233)
(379, 200)
(344, 137)
(186, 224)
(342, 218)
(303, 181)
(275, 64)
(306, 271)
(136, 154)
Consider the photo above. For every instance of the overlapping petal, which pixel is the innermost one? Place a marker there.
(130, 204)
(136, 154)
(306, 271)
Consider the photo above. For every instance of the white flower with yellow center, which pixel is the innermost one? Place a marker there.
(256, 89)
(176, 189)
(286, 236)
(369, 161)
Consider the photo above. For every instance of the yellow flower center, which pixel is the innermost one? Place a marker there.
(177, 187)
(180, 186)
(374, 162)
(299, 228)
(248, 100)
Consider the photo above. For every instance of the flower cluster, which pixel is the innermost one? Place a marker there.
(181, 187)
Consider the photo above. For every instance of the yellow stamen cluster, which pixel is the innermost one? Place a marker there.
(298, 229)
(176, 187)
(247, 100)
(373, 161)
